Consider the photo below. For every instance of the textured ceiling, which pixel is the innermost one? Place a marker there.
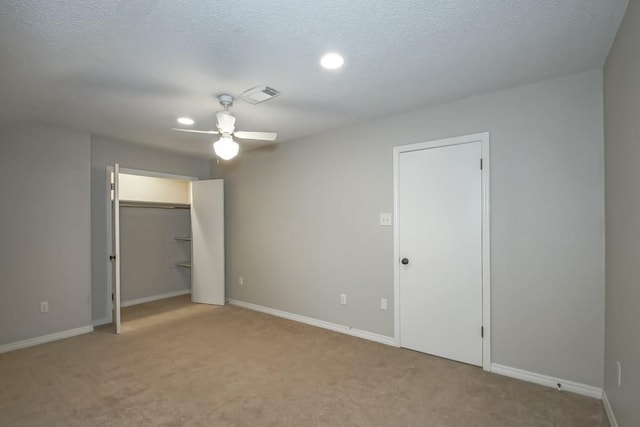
(127, 69)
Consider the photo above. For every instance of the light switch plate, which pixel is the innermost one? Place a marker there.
(386, 219)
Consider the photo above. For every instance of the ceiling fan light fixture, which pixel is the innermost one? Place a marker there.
(187, 121)
(226, 148)
(332, 61)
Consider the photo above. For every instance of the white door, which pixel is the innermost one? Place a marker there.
(115, 256)
(207, 242)
(439, 220)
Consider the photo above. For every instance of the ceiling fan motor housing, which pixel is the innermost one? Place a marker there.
(226, 122)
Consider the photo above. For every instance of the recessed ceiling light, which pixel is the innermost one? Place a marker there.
(332, 61)
(185, 121)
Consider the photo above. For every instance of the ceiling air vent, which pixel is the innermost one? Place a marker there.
(259, 94)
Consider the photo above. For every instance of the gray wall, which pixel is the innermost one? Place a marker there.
(302, 221)
(149, 251)
(622, 152)
(107, 152)
(45, 220)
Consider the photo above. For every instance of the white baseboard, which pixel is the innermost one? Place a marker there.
(154, 298)
(608, 410)
(532, 377)
(45, 338)
(383, 339)
(103, 321)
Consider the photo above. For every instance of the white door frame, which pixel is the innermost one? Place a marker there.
(116, 299)
(109, 302)
(483, 138)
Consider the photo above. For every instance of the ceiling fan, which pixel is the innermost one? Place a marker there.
(226, 148)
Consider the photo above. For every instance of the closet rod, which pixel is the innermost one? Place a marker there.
(156, 205)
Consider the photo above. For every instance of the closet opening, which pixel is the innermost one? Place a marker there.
(166, 239)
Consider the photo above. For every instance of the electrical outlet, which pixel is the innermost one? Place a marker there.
(619, 374)
(44, 307)
(383, 303)
(241, 281)
(343, 299)
(385, 219)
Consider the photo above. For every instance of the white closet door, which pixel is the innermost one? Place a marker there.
(207, 244)
(115, 257)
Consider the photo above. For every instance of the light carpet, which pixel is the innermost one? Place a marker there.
(182, 364)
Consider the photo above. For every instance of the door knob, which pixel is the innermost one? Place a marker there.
(405, 261)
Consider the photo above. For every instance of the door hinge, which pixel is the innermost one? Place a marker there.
(112, 257)
(112, 186)
(112, 298)
(480, 164)
(481, 331)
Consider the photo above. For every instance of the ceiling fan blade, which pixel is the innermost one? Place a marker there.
(263, 136)
(226, 122)
(210, 132)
